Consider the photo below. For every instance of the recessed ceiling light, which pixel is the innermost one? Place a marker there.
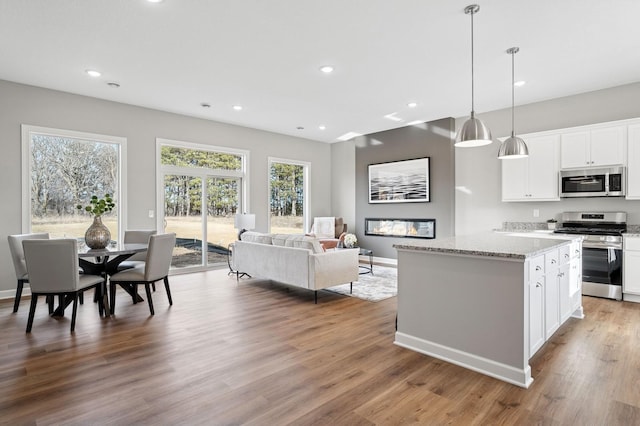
(393, 117)
(327, 69)
(322, 127)
(349, 135)
(237, 107)
(113, 84)
(205, 105)
(519, 83)
(412, 104)
(93, 73)
(155, 1)
(300, 128)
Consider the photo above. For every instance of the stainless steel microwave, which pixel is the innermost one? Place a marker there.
(607, 182)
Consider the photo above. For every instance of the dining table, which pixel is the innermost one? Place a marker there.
(104, 262)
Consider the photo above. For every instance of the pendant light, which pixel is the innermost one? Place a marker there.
(513, 147)
(473, 132)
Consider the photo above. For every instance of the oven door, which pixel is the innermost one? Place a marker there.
(602, 265)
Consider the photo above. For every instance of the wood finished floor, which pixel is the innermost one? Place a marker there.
(263, 354)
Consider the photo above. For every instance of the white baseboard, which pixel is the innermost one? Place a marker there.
(380, 261)
(630, 297)
(504, 372)
(11, 294)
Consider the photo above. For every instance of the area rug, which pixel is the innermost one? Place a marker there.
(383, 284)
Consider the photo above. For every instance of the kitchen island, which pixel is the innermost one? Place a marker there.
(487, 302)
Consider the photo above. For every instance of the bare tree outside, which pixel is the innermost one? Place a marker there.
(287, 198)
(66, 172)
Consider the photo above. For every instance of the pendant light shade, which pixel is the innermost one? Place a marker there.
(474, 132)
(513, 147)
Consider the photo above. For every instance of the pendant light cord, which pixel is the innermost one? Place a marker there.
(472, 82)
(513, 97)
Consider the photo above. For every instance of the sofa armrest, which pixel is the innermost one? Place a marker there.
(332, 268)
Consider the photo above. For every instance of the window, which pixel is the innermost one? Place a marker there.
(288, 181)
(62, 169)
(201, 188)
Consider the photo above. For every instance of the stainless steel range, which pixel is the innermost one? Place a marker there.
(601, 250)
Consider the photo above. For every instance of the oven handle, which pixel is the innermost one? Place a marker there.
(601, 245)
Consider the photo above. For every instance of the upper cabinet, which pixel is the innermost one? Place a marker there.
(534, 178)
(633, 163)
(593, 147)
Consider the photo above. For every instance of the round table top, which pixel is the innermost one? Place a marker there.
(111, 249)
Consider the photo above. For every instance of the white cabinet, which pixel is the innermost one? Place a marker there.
(536, 304)
(551, 294)
(631, 268)
(633, 163)
(553, 283)
(593, 147)
(534, 178)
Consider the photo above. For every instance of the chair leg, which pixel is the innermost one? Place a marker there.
(147, 288)
(32, 311)
(153, 286)
(62, 303)
(166, 287)
(75, 310)
(134, 286)
(16, 303)
(81, 297)
(102, 310)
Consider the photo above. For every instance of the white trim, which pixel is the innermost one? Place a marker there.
(507, 373)
(306, 184)
(121, 142)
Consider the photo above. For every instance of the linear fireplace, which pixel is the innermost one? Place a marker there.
(403, 228)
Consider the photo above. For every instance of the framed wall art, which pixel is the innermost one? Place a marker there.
(405, 181)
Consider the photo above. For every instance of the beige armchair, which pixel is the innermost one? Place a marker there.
(328, 242)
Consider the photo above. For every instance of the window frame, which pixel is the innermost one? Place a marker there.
(27, 130)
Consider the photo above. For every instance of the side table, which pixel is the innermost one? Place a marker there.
(366, 269)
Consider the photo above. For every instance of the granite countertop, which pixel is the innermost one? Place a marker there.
(492, 244)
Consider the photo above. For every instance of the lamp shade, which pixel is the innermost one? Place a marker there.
(473, 133)
(513, 147)
(244, 221)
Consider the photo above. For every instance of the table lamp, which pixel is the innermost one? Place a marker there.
(244, 222)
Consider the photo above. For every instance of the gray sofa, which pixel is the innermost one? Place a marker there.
(296, 260)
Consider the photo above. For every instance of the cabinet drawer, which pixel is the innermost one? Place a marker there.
(536, 267)
(551, 260)
(632, 243)
(565, 254)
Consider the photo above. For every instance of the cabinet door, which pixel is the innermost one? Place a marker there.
(607, 146)
(633, 163)
(551, 303)
(631, 278)
(515, 180)
(543, 167)
(564, 280)
(536, 315)
(574, 150)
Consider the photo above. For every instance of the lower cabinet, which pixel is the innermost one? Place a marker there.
(554, 282)
(631, 268)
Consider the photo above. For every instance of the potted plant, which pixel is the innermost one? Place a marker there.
(98, 235)
(551, 223)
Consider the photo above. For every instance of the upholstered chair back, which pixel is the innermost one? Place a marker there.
(159, 256)
(52, 265)
(138, 237)
(17, 252)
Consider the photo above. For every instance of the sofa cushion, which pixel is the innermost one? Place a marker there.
(256, 237)
(297, 241)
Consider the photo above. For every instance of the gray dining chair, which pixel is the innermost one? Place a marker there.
(136, 236)
(53, 269)
(155, 268)
(17, 255)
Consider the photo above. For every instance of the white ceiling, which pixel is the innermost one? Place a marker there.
(265, 55)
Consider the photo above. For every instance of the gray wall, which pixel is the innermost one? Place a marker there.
(432, 139)
(20, 104)
(343, 183)
(478, 171)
